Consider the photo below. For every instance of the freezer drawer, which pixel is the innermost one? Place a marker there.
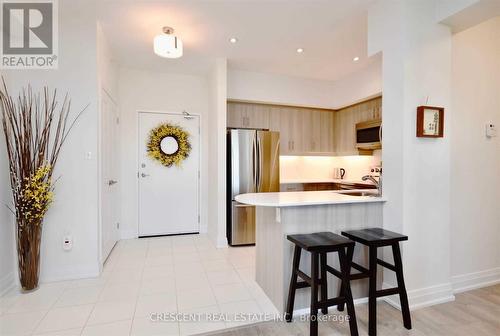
(242, 224)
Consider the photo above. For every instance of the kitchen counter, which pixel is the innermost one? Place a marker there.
(306, 198)
(324, 180)
(280, 214)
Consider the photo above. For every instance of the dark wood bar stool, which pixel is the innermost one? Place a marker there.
(375, 238)
(319, 244)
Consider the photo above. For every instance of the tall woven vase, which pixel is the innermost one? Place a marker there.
(28, 253)
(35, 127)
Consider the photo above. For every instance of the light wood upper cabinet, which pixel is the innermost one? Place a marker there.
(234, 118)
(311, 131)
(242, 115)
(327, 132)
(287, 121)
(346, 120)
(302, 130)
(306, 131)
(297, 138)
(257, 116)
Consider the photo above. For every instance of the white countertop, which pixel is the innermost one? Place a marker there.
(323, 180)
(304, 198)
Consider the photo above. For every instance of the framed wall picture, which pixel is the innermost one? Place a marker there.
(430, 122)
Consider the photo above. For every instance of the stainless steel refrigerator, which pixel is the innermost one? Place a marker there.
(252, 167)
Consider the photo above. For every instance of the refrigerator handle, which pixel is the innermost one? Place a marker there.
(259, 164)
(254, 164)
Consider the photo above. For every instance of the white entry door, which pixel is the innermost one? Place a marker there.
(168, 196)
(109, 175)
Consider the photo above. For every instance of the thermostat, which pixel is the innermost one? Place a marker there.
(491, 130)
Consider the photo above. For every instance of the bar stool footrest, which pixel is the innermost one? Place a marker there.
(386, 292)
(302, 284)
(304, 277)
(360, 268)
(333, 271)
(386, 265)
(331, 302)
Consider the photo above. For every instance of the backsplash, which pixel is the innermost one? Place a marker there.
(321, 167)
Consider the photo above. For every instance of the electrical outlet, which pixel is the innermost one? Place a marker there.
(67, 243)
(375, 170)
(491, 130)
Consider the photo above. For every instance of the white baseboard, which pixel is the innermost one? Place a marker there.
(71, 273)
(417, 298)
(222, 242)
(333, 309)
(433, 295)
(470, 281)
(7, 283)
(423, 297)
(203, 227)
(128, 234)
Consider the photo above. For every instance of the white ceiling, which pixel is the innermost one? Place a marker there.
(332, 33)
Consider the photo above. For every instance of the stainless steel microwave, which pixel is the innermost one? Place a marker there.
(369, 135)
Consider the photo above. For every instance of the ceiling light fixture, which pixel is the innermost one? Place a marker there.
(355, 59)
(233, 40)
(300, 50)
(168, 45)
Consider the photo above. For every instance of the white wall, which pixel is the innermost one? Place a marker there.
(217, 145)
(416, 65)
(279, 89)
(107, 67)
(155, 91)
(475, 159)
(7, 244)
(358, 86)
(75, 206)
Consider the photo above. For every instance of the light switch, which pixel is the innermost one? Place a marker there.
(491, 130)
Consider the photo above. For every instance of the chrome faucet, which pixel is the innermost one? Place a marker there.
(378, 183)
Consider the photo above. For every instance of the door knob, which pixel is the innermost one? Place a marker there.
(111, 182)
(144, 175)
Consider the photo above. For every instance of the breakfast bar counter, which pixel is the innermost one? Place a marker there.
(284, 213)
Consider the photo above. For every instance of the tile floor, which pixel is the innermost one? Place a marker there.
(179, 274)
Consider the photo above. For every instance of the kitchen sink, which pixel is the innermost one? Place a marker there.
(361, 193)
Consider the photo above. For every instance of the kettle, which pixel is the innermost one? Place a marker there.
(338, 173)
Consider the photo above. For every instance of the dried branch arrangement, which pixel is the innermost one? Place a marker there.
(35, 128)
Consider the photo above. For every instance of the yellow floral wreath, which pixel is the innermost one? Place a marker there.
(155, 152)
